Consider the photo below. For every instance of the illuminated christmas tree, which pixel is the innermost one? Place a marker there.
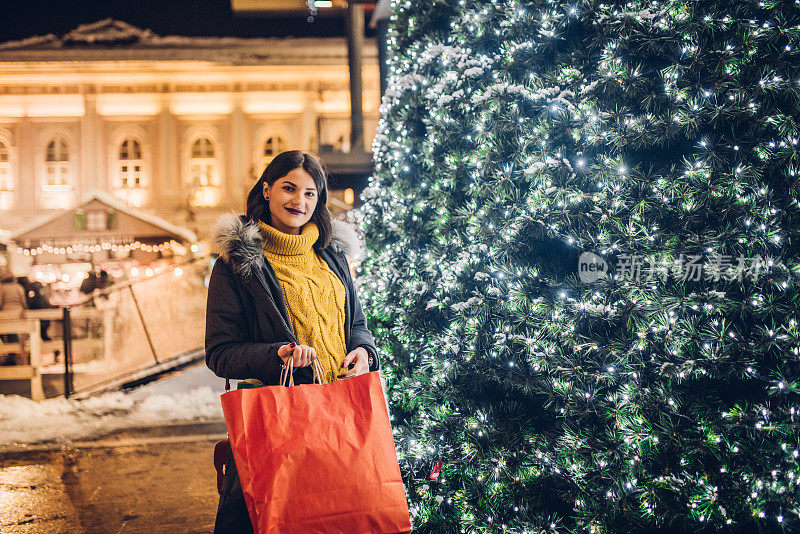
(583, 264)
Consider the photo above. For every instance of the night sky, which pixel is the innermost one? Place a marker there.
(23, 18)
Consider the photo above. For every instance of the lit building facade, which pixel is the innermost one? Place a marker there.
(178, 127)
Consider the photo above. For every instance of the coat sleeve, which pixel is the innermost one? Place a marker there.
(231, 351)
(360, 336)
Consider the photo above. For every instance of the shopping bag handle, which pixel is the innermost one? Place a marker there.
(286, 370)
(319, 374)
(288, 366)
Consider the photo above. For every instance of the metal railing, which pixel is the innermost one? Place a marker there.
(124, 330)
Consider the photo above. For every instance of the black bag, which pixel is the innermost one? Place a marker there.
(221, 452)
(232, 514)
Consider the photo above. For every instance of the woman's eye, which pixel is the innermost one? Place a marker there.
(287, 188)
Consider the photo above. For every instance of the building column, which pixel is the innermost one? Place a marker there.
(308, 122)
(355, 44)
(91, 164)
(166, 186)
(27, 184)
(238, 164)
(380, 22)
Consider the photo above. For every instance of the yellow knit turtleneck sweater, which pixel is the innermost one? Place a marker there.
(313, 293)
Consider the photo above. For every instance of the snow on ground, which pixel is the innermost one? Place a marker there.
(193, 377)
(190, 395)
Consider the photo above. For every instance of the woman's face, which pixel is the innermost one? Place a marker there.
(292, 200)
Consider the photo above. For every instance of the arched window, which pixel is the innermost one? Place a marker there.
(274, 145)
(203, 164)
(131, 165)
(5, 169)
(204, 179)
(57, 160)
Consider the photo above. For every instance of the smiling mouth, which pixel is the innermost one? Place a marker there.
(294, 212)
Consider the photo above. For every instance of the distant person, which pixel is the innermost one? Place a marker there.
(104, 281)
(89, 284)
(12, 302)
(12, 297)
(38, 300)
(25, 283)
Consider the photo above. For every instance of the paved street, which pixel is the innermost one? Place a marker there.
(141, 480)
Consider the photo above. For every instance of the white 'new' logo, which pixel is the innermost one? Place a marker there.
(591, 267)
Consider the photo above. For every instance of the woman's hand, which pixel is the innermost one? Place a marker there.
(303, 354)
(360, 358)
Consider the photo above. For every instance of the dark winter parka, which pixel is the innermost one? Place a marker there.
(246, 315)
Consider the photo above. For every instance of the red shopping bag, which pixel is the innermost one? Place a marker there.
(317, 457)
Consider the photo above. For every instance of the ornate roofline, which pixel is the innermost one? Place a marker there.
(114, 40)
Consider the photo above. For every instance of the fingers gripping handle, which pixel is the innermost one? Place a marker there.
(286, 371)
(288, 368)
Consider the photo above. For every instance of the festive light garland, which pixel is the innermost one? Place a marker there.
(78, 247)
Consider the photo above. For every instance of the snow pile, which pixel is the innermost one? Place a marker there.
(48, 40)
(24, 421)
(201, 403)
(111, 33)
(107, 31)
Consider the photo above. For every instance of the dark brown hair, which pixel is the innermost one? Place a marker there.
(285, 162)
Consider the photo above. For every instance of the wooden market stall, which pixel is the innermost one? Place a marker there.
(93, 332)
(99, 234)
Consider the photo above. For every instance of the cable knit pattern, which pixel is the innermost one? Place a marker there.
(313, 293)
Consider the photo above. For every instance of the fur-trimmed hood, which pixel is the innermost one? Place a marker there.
(240, 242)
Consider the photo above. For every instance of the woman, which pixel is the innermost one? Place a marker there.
(282, 288)
(12, 296)
(12, 303)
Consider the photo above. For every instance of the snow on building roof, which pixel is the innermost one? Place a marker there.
(108, 31)
(116, 204)
(382, 12)
(115, 33)
(111, 39)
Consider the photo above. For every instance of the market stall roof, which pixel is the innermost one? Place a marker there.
(100, 216)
